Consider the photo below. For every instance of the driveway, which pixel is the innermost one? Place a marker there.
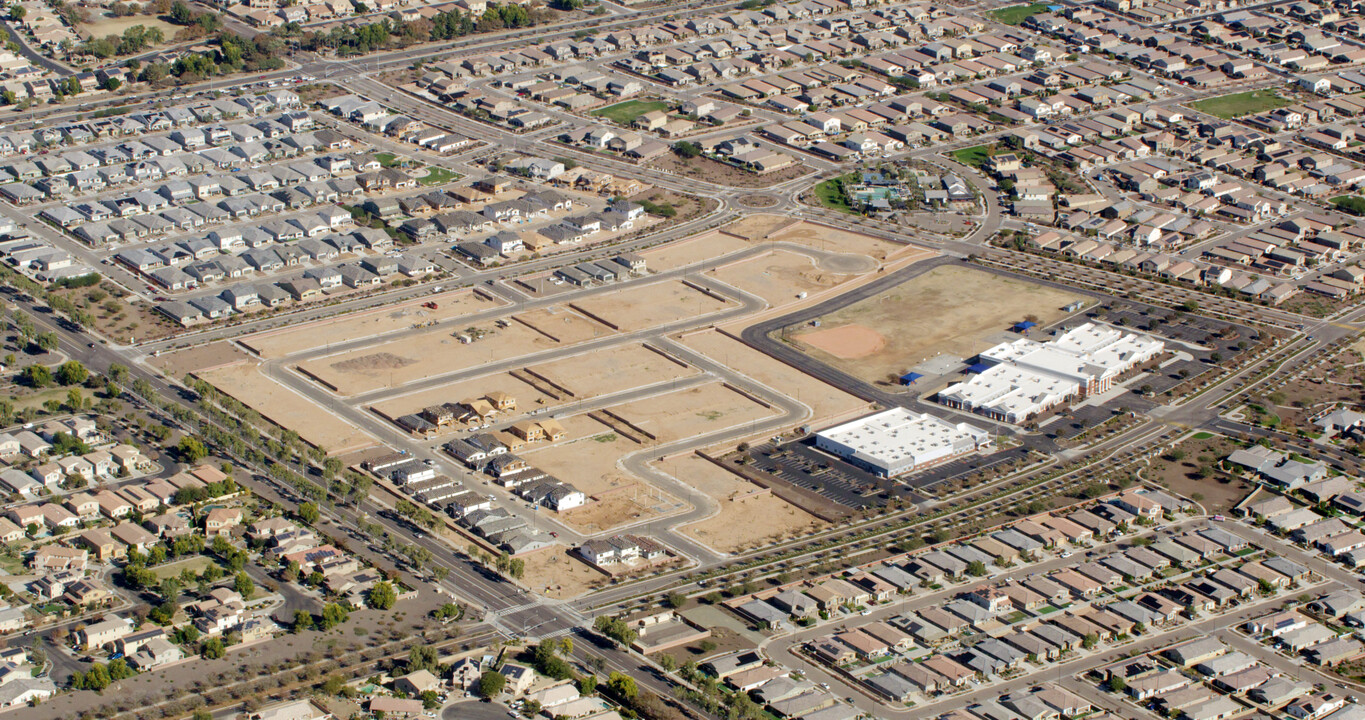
(474, 710)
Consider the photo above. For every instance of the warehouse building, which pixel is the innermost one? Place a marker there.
(1019, 380)
(897, 441)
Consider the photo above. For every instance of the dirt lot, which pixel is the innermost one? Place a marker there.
(949, 309)
(279, 343)
(554, 573)
(828, 239)
(398, 362)
(778, 277)
(749, 516)
(722, 174)
(692, 412)
(177, 364)
(1179, 470)
(101, 26)
(824, 400)
(759, 226)
(613, 370)
(687, 206)
(652, 305)
(565, 326)
(707, 246)
(1340, 381)
(244, 382)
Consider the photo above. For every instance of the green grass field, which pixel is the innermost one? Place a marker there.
(832, 195)
(1239, 104)
(975, 156)
(1353, 204)
(438, 176)
(386, 159)
(1016, 14)
(624, 113)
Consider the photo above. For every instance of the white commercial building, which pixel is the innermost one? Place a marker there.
(897, 441)
(1026, 378)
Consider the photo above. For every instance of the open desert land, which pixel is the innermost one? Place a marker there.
(692, 412)
(749, 516)
(758, 227)
(778, 277)
(555, 573)
(588, 375)
(612, 370)
(829, 239)
(400, 361)
(825, 401)
(203, 357)
(285, 408)
(950, 309)
(707, 246)
(357, 326)
(642, 307)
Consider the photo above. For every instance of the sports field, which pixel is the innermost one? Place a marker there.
(950, 309)
(1239, 104)
(624, 113)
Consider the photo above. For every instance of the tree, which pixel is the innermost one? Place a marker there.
(675, 600)
(191, 449)
(622, 686)
(17, 12)
(37, 376)
(976, 568)
(303, 620)
(1116, 684)
(212, 649)
(430, 700)
(308, 512)
(491, 683)
(686, 150)
(72, 372)
(587, 685)
(333, 615)
(243, 585)
(423, 657)
(382, 596)
(1090, 641)
(48, 341)
(112, 84)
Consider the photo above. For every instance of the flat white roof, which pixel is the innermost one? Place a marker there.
(899, 437)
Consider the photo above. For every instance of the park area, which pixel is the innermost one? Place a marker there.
(1239, 104)
(975, 156)
(624, 113)
(747, 516)
(948, 309)
(1017, 14)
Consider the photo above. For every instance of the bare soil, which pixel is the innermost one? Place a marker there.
(652, 305)
(556, 573)
(779, 277)
(182, 362)
(1179, 470)
(748, 517)
(286, 409)
(704, 168)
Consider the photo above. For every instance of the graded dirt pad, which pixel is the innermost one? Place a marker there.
(563, 325)
(749, 516)
(528, 398)
(105, 25)
(398, 362)
(652, 305)
(707, 246)
(950, 309)
(757, 227)
(613, 370)
(555, 573)
(846, 343)
(824, 400)
(244, 382)
(177, 364)
(692, 412)
(828, 239)
(355, 326)
(778, 277)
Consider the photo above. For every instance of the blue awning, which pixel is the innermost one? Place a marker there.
(1025, 325)
(908, 378)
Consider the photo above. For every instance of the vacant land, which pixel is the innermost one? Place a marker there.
(287, 409)
(651, 305)
(760, 226)
(950, 309)
(105, 25)
(355, 326)
(692, 412)
(1239, 104)
(1190, 470)
(778, 277)
(554, 573)
(612, 370)
(708, 246)
(749, 516)
(181, 362)
(1016, 14)
(829, 239)
(824, 400)
(624, 113)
